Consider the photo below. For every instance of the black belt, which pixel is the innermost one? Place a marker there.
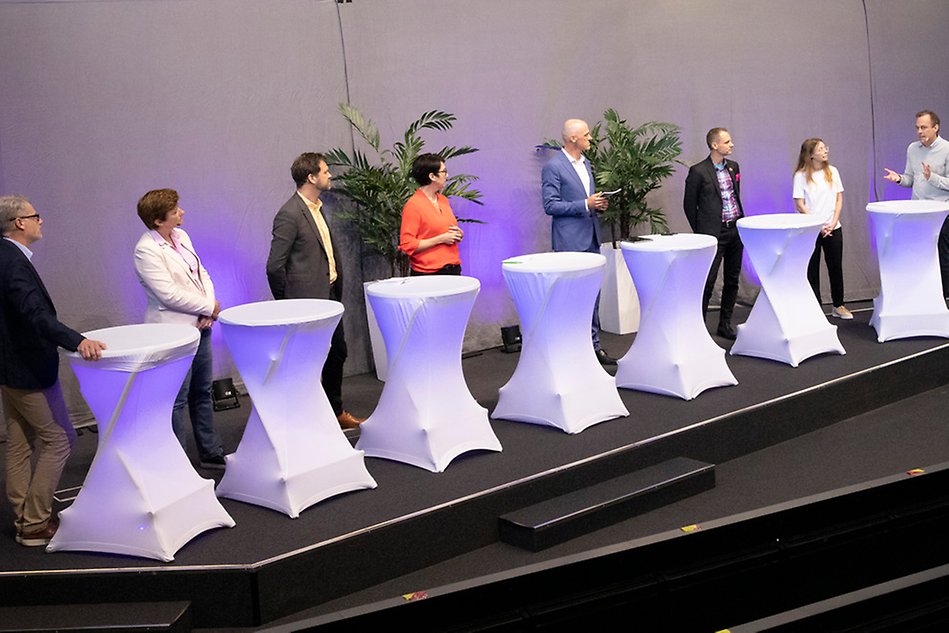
(728, 224)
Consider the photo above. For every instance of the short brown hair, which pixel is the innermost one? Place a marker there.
(932, 116)
(155, 205)
(304, 165)
(713, 135)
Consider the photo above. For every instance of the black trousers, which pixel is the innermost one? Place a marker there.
(833, 247)
(729, 251)
(447, 269)
(332, 377)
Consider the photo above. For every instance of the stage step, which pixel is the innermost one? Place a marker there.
(118, 616)
(560, 519)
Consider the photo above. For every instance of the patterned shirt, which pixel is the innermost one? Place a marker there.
(729, 200)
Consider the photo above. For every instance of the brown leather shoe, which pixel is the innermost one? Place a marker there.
(40, 536)
(348, 421)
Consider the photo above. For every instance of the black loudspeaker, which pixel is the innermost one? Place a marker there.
(224, 394)
(511, 339)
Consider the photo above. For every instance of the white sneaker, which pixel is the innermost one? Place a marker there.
(841, 312)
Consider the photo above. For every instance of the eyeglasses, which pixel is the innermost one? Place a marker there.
(35, 216)
(443, 172)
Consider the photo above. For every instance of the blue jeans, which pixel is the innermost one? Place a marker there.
(196, 394)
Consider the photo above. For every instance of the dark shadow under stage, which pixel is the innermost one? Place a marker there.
(781, 434)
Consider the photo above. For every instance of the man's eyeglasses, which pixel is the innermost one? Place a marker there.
(35, 216)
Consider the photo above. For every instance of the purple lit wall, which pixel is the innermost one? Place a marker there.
(105, 100)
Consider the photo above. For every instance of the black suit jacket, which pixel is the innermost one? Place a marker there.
(703, 196)
(298, 267)
(29, 329)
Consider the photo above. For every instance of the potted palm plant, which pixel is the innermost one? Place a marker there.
(378, 182)
(635, 161)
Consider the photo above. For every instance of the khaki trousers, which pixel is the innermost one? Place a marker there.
(37, 422)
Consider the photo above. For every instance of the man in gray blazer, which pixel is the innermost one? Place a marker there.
(304, 264)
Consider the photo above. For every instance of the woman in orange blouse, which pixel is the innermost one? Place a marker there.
(430, 233)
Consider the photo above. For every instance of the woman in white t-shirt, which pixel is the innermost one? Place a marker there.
(818, 191)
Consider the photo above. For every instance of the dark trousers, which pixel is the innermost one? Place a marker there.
(332, 378)
(944, 256)
(729, 251)
(833, 247)
(447, 269)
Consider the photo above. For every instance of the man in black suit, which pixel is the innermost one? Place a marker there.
(33, 405)
(304, 264)
(713, 206)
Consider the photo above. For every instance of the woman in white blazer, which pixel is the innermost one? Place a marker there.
(179, 290)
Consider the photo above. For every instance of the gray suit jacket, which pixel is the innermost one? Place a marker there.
(298, 267)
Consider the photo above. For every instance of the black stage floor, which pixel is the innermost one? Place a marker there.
(781, 433)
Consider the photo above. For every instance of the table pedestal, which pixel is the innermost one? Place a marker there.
(910, 303)
(558, 380)
(786, 323)
(673, 353)
(141, 496)
(293, 453)
(426, 415)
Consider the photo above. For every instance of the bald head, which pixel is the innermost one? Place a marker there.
(576, 136)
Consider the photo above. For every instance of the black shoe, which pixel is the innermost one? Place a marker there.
(213, 463)
(605, 359)
(725, 330)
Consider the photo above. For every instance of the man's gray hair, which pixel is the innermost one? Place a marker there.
(11, 207)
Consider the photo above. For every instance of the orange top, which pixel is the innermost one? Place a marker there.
(420, 220)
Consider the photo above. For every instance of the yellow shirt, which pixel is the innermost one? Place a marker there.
(315, 211)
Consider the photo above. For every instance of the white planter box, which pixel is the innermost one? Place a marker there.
(619, 303)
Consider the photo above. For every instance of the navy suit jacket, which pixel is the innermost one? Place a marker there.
(703, 196)
(298, 267)
(29, 329)
(572, 227)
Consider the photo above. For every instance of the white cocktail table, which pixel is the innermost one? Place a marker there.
(558, 380)
(141, 496)
(910, 302)
(672, 353)
(786, 323)
(426, 415)
(293, 453)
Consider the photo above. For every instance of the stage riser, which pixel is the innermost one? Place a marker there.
(584, 510)
(711, 579)
(144, 617)
(253, 595)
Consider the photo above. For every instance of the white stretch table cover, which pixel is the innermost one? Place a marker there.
(910, 302)
(141, 496)
(786, 323)
(293, 453)
(673, 353)
(558, 380)
(426, 415)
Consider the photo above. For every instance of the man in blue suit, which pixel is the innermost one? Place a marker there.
(567, 188)
(33, 405)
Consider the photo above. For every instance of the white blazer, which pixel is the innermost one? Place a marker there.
(173, 296)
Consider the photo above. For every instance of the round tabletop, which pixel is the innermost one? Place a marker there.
(909, 206)
(666, 243)
(778, 221)
(144, 344)
(282, 312)
(422, 286)
(553, 262)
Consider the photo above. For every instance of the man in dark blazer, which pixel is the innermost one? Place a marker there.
(713, 206)
(33, 405)
(567, 189)
(304, 264)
